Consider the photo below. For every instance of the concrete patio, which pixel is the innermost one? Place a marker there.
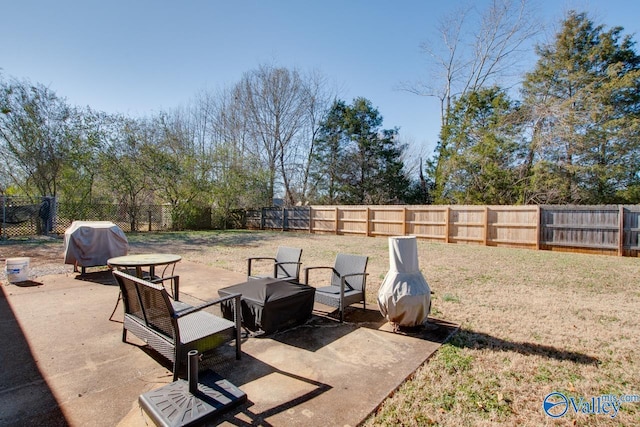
(64, 362)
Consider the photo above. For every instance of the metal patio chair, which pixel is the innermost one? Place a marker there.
(347, 284)
(286, 264)
(173, 328)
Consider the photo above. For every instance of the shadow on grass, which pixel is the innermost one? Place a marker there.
(479, 340)
(31, 242)
(195, 241)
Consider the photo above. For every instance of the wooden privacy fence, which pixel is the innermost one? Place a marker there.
(607, 229)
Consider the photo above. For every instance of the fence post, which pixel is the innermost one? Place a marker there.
(538, 226)
(310, 220)
(621, 230)
(368, 216)
(46, 212)
(404, 221)
(261, 218)
(149, 218)
(284, 218)
(446, 224)
(336, 220)
(486, 225)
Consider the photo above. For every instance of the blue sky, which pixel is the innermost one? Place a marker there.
(139, 57)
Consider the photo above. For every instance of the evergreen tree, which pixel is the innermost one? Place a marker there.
(357, 162)
(583, 100)
(481, 164)
(327, 161)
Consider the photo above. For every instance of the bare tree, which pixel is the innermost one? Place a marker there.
(282, 110)
(271, 99)
(229, 125)
(272, 115)
(239, 178)
(124, 165)
(446, 61)
(319, 97)
(471, 55)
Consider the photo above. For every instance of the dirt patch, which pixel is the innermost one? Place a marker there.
(42, 251)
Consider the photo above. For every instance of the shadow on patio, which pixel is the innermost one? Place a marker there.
(25, 396)
(320, 373)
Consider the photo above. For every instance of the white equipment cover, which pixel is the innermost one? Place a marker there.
(92, 243)
(404, 297)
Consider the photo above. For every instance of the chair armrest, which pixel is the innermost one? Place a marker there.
(306, 272)
(175, 285)
(209, 304)
(343, 280)
(288, 262)
(256, 258)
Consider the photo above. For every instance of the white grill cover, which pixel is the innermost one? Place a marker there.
(404, 297)
(92, 243)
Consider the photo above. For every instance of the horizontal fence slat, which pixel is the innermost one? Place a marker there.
(582, 227)
(512, 242)
(512, 225)
(583, 245)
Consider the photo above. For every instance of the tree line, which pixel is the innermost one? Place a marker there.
(568, 134)
(275, 133)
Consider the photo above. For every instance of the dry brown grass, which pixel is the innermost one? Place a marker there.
(532, 322)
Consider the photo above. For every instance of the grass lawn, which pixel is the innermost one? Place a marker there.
(532, 322)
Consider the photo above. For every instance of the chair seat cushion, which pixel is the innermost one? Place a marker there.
(203, 326)
(330, 295)
(335, 290)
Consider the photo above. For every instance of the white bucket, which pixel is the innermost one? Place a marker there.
(17, 269)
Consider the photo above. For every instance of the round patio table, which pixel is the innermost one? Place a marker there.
(139, 261)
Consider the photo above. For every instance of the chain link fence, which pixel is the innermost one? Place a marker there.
(24, 216)
(139, 218)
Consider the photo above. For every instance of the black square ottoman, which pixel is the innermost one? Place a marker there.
(270, 305)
